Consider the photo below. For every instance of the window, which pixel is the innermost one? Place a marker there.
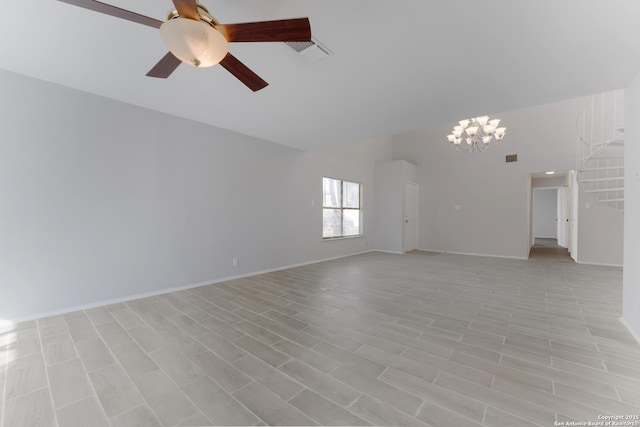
(341, 214)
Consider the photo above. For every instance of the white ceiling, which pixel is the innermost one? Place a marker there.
(397, 65)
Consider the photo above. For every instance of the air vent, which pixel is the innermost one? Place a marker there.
(313, 51)
(300, 46)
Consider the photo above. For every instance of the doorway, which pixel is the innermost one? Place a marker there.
(410, 224)
(546, 219)
(553, 216)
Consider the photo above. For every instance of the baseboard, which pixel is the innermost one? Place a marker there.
(599, 264)
(169, 290)
(387, 252)
(635, 334)
(429, 250)
(482, 255)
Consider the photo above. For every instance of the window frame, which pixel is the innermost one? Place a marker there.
(342, 208)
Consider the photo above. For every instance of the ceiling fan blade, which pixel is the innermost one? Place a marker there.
(243, 73)
(107, 9)
(284, 30)
(165, 67)
(187, 9)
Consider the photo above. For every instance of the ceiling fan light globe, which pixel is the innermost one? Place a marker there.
(194, 42)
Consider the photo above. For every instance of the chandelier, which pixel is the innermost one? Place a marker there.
(478, 133)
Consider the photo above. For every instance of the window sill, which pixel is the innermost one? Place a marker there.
(329, 239)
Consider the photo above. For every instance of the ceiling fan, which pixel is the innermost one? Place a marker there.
(195, 37)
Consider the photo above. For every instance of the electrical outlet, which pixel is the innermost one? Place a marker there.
(235, 262)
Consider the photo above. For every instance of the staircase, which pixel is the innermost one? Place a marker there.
(600, 151)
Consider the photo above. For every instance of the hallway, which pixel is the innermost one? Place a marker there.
(547, 248)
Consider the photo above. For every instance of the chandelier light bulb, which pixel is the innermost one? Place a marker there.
(482, 120)
(472, 130)
(482, 134)
(488, 129)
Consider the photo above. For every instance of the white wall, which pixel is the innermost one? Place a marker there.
(545, 212)
(631, 275)
(101, 200)
(492, 195)
(601, 232)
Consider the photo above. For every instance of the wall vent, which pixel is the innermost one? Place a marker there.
(313, 50)
(511, 158)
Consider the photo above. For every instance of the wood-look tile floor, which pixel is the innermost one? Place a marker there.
(549, 248)
(374, 339)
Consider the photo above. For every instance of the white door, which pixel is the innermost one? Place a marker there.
(410, 225)
(573, 216)
(562, 217)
